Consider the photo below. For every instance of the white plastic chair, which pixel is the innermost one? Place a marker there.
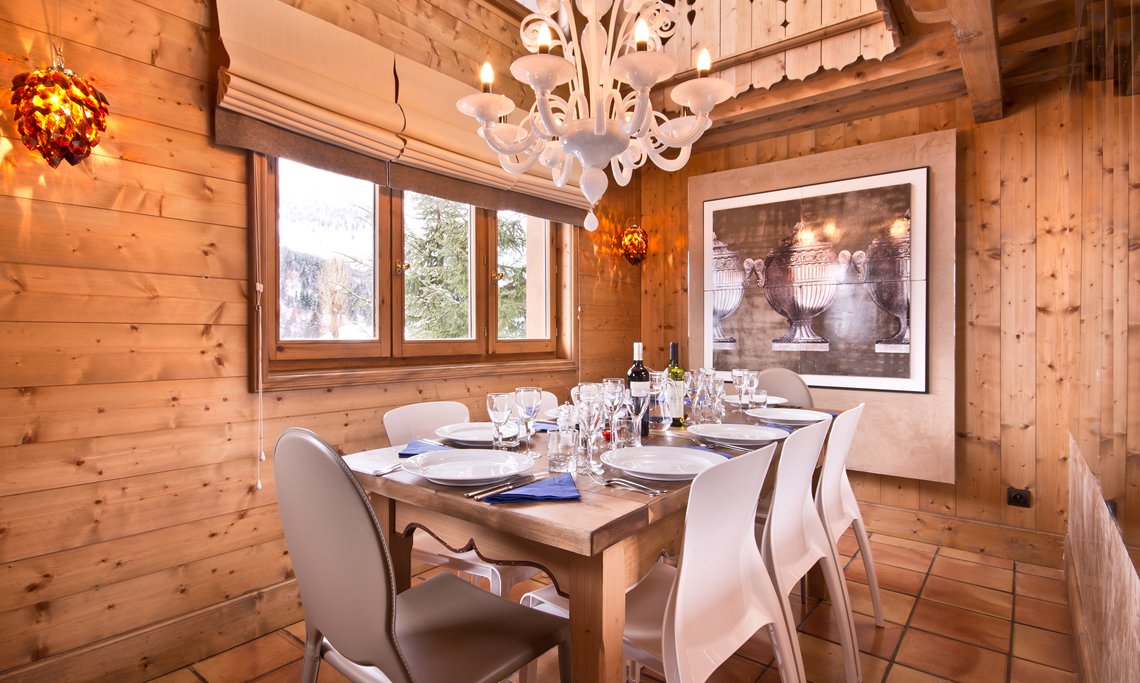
(794, 540)
(441, 630)
(420, 420)
(787, 384)
(835, 499)
(687, 621)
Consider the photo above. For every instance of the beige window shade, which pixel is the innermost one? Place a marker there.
(290, 76)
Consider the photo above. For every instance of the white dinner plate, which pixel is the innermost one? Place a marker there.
(468, 467)
(663, 463)
(736, 434)
(796, 417)
(475, 433)
(772, 400)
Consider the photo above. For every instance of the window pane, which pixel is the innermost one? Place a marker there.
(437, 286)
(327, 254)
(524, 261)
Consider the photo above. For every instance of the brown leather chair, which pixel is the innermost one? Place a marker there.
(442, 631)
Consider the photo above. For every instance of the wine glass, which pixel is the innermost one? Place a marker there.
(527, 401)
(637, 403)
(591, 414)
(740, 381)
(692, 382)
(753, 382)
(500, 408)
(613, 389)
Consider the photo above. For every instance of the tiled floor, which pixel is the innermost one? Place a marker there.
(951, 615)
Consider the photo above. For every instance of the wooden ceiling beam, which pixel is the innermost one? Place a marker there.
(975, 31)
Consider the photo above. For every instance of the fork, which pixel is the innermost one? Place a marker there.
(632, 485)
(396, 467)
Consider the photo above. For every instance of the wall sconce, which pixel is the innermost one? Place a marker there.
(58, 113)
(634, 243)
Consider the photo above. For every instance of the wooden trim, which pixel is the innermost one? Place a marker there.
(1023, 545)
(975, 32)
(553, 276)
(1077, 616)
(448, 369)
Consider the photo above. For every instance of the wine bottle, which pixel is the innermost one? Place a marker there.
(675, 375)
(638, 379)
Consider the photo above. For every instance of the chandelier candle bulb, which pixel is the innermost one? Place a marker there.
(641, 35)
(544, 39)
(704, 63)
(487, 76)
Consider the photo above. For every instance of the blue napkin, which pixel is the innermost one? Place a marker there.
(556, 488)
(415, 447)
(542, 426)
(707, 450)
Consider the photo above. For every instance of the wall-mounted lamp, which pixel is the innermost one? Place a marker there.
(634, 243)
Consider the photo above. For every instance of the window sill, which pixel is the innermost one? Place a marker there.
(282, 380)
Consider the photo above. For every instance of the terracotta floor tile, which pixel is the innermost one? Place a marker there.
(1043, 647)
(889, 576)
(880, 642)
(1024, 671)
(823, 662)
(771, 675)
(1038, 570)
(905, 674)
(961, 624)
(980, 574)
(1042, 588)
(969, 596)
(250, 660)
(906, 543)
(737, 670)
(1000, 562)
(758, 648)
(907, 558)
(896, 606)
(949, 658)
(847, 545)
(179, 676)
(291, 673)
(1042, 614)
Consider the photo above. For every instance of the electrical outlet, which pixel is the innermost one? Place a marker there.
(1018, 498)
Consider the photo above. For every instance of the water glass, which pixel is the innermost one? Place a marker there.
(761, 398)
(500, 408)
(562, 450)
(527, 401)
(626, 431)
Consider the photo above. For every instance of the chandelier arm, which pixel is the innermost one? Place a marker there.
(700, 124)
(641, 113)
(510, 165)
(561, 174)
(508, 148)
(543, 101)
(669, 165)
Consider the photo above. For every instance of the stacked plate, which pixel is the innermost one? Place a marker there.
(475, 433)
(662, 463)
(792, 417)
(772, 400)
(736, 434)
(468, 467)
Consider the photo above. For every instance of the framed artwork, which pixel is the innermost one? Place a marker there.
(827, 279)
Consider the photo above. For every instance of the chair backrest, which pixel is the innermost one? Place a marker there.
(419, 420)
(783, 382)
(549, 401)
(723, 593)
(834, 499)
(339, 555)
(794, 538)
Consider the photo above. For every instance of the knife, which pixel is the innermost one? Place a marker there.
(501, 484)
(511, 487)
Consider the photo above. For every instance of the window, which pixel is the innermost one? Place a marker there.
(363, 278)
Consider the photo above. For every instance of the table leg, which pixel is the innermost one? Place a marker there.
(597, 615)
(399, 545)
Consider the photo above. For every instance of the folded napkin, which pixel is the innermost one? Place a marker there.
(542, 426)
(416, 446)
(556, 488)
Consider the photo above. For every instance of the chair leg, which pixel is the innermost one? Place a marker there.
(312, 657)
(564, 662)
(496, 580)
(793, 639)
(529, 673)
(791, 670)
(869, 564)
(632, 671)
(844, 621)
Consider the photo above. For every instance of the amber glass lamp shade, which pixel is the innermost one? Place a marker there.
(58, 114)
(634, 243)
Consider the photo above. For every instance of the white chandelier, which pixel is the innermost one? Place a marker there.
(606, 116)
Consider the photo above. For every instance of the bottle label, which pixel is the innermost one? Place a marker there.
(639, 388)
(675, 392)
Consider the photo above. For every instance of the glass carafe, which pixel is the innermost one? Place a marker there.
(657, 413)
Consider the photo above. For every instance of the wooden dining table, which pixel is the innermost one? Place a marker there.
(592, 549)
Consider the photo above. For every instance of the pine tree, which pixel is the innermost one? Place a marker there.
(437, 286)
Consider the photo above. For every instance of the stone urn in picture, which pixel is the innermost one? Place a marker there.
(799, 279)
(728, 291)
(885, 271)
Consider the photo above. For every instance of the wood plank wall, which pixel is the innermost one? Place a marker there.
(132, 539)
(1048, 339)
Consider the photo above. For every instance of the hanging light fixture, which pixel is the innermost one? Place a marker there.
(603, 115)
(634, 243)
(58, 113)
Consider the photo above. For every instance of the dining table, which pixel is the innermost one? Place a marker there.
(593, 549)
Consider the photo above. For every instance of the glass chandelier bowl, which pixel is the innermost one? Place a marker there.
(592, 106)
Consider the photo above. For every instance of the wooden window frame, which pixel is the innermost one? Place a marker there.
(276, 364)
